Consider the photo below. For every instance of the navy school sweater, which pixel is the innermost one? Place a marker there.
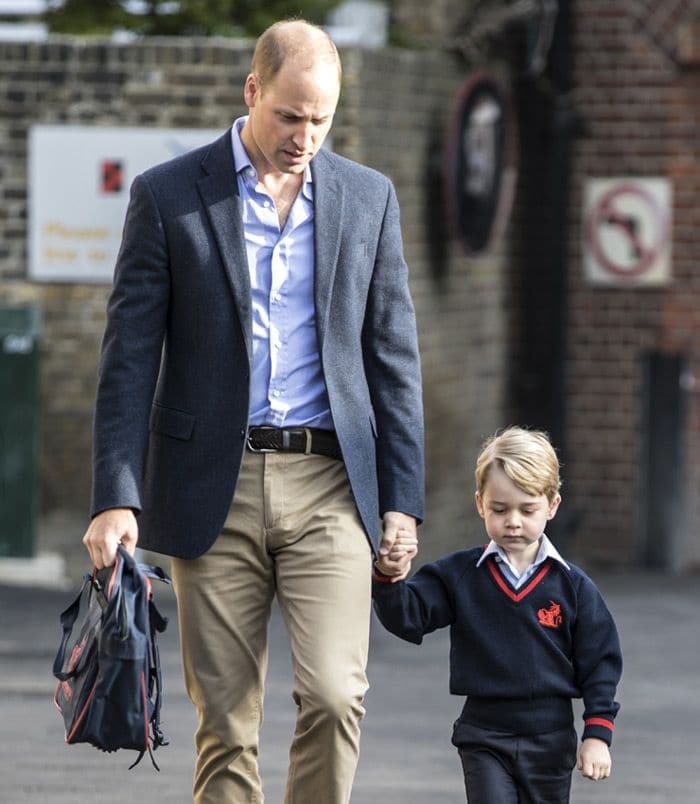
(548, 642)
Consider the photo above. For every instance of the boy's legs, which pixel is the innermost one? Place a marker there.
(487, 765)
(544, 766)
(502, 768)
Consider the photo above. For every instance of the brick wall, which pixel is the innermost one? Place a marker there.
(638, 95)
(392, 125)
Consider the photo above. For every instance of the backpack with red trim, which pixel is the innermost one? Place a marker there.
(108, 666)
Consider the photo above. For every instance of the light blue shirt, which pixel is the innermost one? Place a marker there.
(546, 550)
(287, 385)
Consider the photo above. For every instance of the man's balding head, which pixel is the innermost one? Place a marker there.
(295, 41)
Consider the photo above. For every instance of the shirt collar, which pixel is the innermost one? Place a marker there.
(245, 168)
(546, 550)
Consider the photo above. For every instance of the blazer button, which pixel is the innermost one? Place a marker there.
(242, 432)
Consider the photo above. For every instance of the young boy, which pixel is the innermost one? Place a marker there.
(528, 633)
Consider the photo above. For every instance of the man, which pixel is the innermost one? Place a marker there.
(259, 410)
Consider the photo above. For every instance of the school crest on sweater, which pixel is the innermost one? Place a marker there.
(551, 617)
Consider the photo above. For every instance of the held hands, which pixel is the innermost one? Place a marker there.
(594, 759)
(398, 547)
(107, 530)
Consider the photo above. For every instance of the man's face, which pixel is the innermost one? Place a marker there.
(290, 116)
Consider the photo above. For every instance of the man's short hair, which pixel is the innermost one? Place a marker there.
(281, 41)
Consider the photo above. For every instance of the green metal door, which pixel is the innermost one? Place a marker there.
(19, 429)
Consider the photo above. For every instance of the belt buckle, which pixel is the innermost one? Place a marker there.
(261, 450)
(308, 440)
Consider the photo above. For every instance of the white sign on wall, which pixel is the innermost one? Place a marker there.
(79, 179)
(627, 231)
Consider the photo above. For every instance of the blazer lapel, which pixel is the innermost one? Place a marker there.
(219, 193)
(328, 216)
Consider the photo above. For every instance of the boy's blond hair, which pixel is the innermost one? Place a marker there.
(526, 456)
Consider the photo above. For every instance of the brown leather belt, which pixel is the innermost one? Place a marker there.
(307, 440)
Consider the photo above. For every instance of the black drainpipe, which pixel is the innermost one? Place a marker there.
(548, 125)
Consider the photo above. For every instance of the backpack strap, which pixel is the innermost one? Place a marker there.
(157, 624)
(68, 620)
(156, 573)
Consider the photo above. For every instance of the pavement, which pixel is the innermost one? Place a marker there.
(406, 755)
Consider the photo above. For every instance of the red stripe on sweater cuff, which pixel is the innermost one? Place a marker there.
(379, 577)
(599, 721)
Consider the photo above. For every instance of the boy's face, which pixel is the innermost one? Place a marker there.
(514, 519)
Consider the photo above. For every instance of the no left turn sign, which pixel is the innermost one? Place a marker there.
(626, 231)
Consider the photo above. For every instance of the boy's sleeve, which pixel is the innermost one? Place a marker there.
(410, 609)
(598, 663)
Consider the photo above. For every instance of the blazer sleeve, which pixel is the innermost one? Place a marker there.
(392, 367)
(130, 356)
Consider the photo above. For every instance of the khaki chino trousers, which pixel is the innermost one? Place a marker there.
(293, 531)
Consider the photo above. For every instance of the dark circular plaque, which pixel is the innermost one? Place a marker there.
(480, 161)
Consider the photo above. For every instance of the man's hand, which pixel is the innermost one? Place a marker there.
(107, 531)
(399, 545)
(594, 759)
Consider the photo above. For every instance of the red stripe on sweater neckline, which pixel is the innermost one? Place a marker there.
(501, 581)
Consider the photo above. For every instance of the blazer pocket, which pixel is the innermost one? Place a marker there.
(171, 422)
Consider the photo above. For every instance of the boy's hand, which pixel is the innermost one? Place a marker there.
(398, 547)
(594, 759)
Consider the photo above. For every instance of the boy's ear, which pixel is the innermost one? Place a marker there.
(479, 504)
(553, 507)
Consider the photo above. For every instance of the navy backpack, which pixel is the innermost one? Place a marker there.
(108, 666)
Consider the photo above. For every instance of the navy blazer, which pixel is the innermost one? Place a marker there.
(173, 389)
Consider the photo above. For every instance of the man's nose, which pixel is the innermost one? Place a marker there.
(303, 137)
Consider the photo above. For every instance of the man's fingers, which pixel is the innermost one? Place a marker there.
(106, 532)
(388, 541)
(393, 523)
(102, 548)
